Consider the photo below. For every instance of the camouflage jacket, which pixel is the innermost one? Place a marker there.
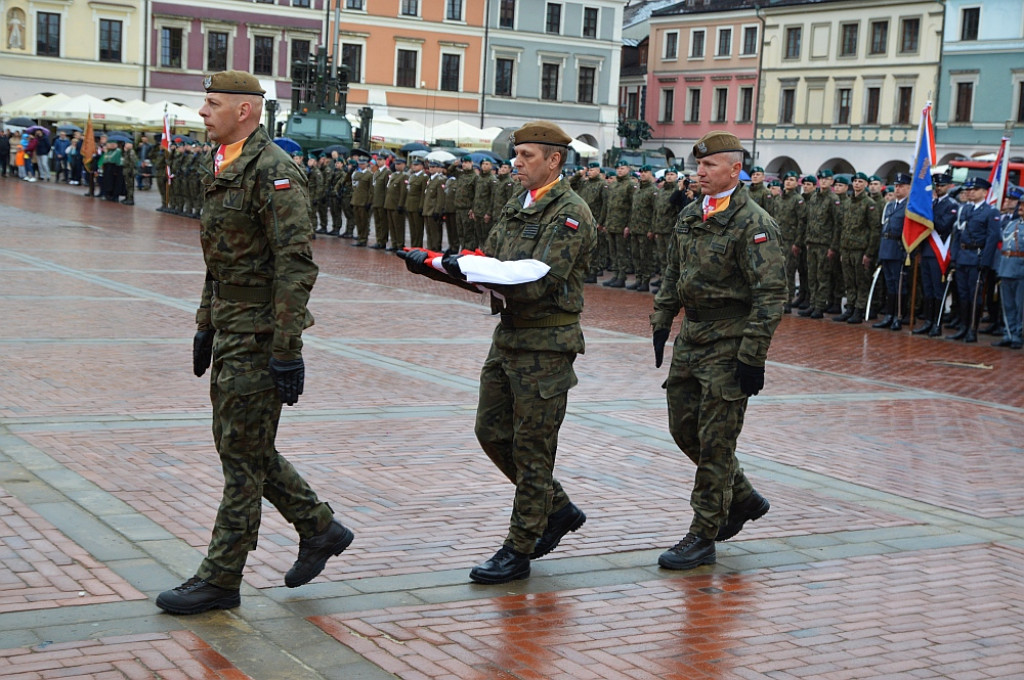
(483, 195)
(394, 197)
(504, 188)
(465, 189)
(128, 161)
(790, 213)
(593, 192)
(759, 194)
(314, 184)
(665, 214)
(255, 232)
(859, 227)
(734, 259)
(558, 230)
(822, 218)
(416, 186)
(641, 219)
(619, 204)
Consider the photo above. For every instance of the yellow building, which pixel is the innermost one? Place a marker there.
(843, 84)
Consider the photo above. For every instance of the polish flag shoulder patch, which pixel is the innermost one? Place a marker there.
(281, 184)
(761, 237)
(572, 224)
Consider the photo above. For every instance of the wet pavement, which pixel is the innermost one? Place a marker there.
(894, 546)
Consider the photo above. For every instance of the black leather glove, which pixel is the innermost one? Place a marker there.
(451, 265)
(289, 377)
(202, 351)
(401, 210)
(660, 338)
(415, 260)
(750, 378)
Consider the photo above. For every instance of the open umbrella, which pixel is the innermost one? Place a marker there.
(479, 156)
(440, 156)
(20, 121)
(340, 148)
(32, 130)
(288, 144)
(356, 151)
(414, 146)
(119, 136)
(418, 154)
(69, 128)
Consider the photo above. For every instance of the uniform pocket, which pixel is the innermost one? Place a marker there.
(557, 383)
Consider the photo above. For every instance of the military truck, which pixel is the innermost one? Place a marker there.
(636, 157)
(319, 104)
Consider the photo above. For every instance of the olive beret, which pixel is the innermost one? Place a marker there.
(861, 175)
(775, 183)
(717, 141)
(890, 190)
(541, 132)
(233, 82)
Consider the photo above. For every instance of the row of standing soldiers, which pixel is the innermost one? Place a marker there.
(178, 172)
(460, 201)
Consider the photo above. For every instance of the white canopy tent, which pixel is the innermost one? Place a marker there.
(79, 109)
(32, 106)
(583, 149)
(464, 134)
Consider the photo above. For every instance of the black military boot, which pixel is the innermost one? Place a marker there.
(845, 316)
(926, 315)
(642, 287)
(196, 595)
(965, 325)
(314, 553)
(749, 509)
(506, 565)
(858, 317)
(897, 321)
(806, 312)
(688, 553)
(569, 518)
(615, 283)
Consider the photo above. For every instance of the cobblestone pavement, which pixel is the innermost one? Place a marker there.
(894, 547)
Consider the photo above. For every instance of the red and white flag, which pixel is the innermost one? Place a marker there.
(997, 178)
(165, 142)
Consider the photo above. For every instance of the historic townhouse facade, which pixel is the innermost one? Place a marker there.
(843, 83)
(703, 74)
(981, 95)
(431, 61)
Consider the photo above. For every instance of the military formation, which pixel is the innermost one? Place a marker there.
(178, 172)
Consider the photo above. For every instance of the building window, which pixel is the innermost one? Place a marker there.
(668, 99)
(48, 34)
(300, 51)
(969, 17)
(553, 24)
(905, 99)
(549, 82)
(216, 51)
(585, 88)
(746, 111)
(110, 40)
(405, 75)
(750, 40)
(263, 55)
(909, 33)
(300, 3)
(354, 4)
(503, 77)
(170, 47)
(721, 104)
(724, 42)
(671, 45)
(964, 102)
(1020, 102)
(410, 8)
(693, 105)
(848, 40)
(697, 44)
(507, 14)
(874, 96)
(352, 57)
(787, 105)
(589, 22)
(450, 68)
(453, 10)
(632, 105)
(844, 99)
(879, 37)
(793, 36)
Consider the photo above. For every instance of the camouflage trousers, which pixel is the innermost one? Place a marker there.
(792, 266)
(129, 186)
(856, 278)
(619, 251)
(322, 210)
(643, 256)
(465, 229)
(246, 410)
(705, 416)
(819, 276)
(600, 258)
(661, 251)
(521, 407)
(161, 186)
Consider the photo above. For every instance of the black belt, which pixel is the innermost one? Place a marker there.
(226, 291)
(717, 314)
(893, 238)
(970, 248)
(550, 321)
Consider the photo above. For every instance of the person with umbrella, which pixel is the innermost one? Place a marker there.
(43, 148)
(60, 155)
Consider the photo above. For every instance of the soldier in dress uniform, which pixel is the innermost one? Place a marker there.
(973, 254)
(416, 185)
(255, 235)
(892, 257)
(433, 206)
(944, 216)
(394, 205)
(362, 201)
(1010, 270)
(380, 188)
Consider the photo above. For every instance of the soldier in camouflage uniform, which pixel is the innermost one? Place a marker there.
(528, 372)
(822, 221)
(505, 187)
(618, 207)
(158, 156)
(465, 192)
(416, 186)
(177, 179)
(665, 215)
(592, 189)
(129, 159)
(758, 191)
(483, 198)
(314, 185)
(856, 241)
(255, 237)
(727, 272)
(790, 215)
(642, 229)
(394, 204)
(380, 216)
(334, 197)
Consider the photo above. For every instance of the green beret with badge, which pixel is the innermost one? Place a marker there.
(861, 175)
(541, 132)
(717, 141)
(791, 173)
(233, 82)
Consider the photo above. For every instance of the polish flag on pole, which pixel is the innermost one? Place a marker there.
(918, 223)
(997, 178)
(165, 142)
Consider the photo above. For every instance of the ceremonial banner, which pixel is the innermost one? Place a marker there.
(997, 178)
(918, 224)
